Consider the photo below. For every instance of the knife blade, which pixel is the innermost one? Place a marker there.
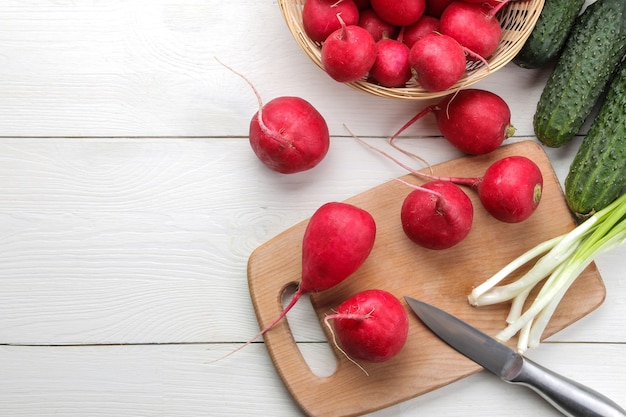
(569, 397)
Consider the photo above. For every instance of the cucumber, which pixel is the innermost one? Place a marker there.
(549, 34)
(590, 57)
(597, 175)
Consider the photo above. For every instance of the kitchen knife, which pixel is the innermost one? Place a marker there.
(567, 396)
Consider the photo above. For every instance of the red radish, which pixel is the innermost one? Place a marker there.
(287, 134)
(438, 60)
(474, 121)
(438, 219)
(424, 26)
(371, 325)
(378, 28)
(319, 17)
(510, 189)
(436, 7)
(348, 53)
(399, 12)
(473, 25)
(337, 240)
(392, 67)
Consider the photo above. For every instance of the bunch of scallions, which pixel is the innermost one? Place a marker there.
(560, 261)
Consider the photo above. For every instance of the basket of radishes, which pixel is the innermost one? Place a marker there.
(410, 49)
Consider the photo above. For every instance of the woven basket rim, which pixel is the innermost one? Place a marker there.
(518, 19)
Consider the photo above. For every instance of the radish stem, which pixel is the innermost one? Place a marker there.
(472, 182)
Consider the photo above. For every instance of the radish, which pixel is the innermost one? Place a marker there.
(437, 215)
(473, 25)
(391, 67)
(424, 26)
(474, 121)
(438, 60)
(319, 17)
(287, 134)
(348, 53)
(399, 12)
(378, 28)
(372, 325)
(337, 240)
(510, 189)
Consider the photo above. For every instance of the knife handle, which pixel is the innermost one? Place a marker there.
(567, 396)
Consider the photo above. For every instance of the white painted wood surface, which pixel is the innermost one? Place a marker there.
(130, 201)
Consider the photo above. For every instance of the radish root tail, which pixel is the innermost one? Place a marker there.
(282, 315)
(332, 333)
(262, 124)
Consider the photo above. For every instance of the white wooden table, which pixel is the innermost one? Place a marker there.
(130, 201)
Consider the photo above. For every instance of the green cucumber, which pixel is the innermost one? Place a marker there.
(597, 175)
(590, 57)
(549, 34)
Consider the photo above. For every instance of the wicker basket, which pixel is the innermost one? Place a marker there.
(517, 19)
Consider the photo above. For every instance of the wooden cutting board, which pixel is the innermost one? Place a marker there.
(442, 278)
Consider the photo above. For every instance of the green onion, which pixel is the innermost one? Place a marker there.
(564, 258)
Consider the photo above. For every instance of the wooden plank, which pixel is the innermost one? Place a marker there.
(139, 241)
(177, 380)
